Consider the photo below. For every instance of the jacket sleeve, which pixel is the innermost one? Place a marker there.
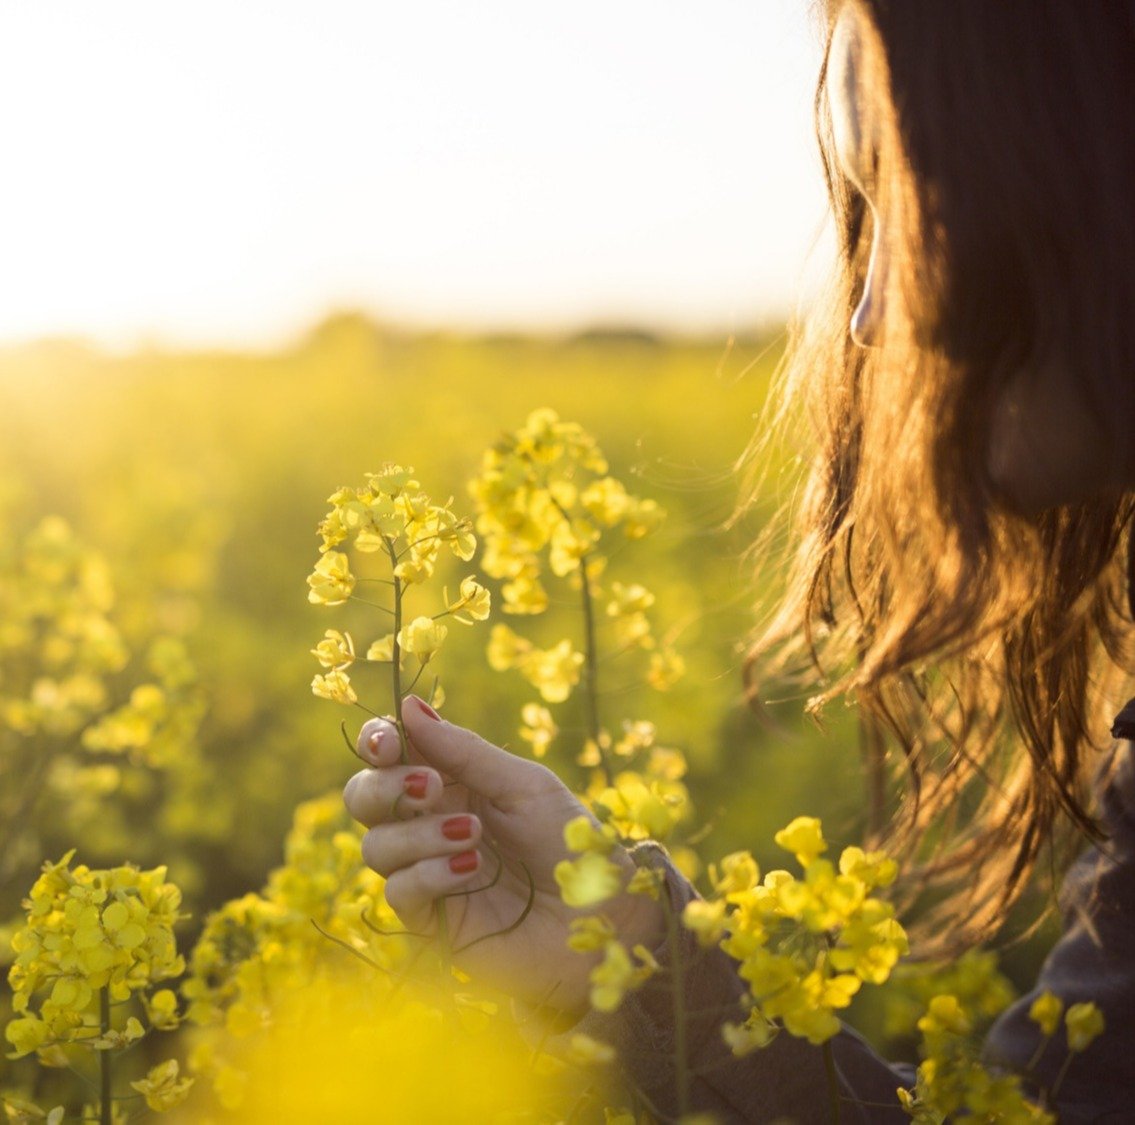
(786, 1079)
(1093, 961)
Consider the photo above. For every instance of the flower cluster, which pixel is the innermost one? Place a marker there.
(92, 942)
(545, 488)
(974, 979)
(264, 946)
(88, 931)
(58, 643)
(76, 725)
(545, 503)
(648, 798)
(590, 879)
(805, 945)
(952, 1079)
(389, 516)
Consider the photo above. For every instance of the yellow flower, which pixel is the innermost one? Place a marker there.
(643, 517)
(875, 869)
(754, 1033)
(474, 602)
(335, 685)
(417, 568)
(161, 1009)
(27, 1034)
(331, 583)
(553, 672)
(590, 933)
(871, 943)
(457, 533)
(645, 881)
(391, 480)
(606, 500)
(524, 595)
(85, 931)
(644, 810)
(1046, 1011)
(570, 542)
(945, 1015)
(422, 637)
(666, 669)
(539, 728)
(739, 873)
(612, 978)
(817, 1025)
(627, 600)
(1084, 1022)
(162, 1088)
(705, 919)
(804, 838)
(21, 1110)
(768, 973)
(638, 735)
(582, 834)
(382, 650)
(506, 649)
(336, 650)
(590, 879)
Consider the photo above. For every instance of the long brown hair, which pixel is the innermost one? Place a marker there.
(985, 645)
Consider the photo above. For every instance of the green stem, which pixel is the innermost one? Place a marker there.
(591, 667)
(1059, 1081)
(396, 664)
(833, 1082)
(106, 1100)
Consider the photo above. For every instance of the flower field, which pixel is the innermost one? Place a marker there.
(186, 921)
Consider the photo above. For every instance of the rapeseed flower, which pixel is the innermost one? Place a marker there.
(422, 638)
(1084, 1023)
(331, 583)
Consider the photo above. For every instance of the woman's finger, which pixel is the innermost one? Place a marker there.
(378, 743)
(395, 793)
(467, 758)
(412, 891)
(389, 847)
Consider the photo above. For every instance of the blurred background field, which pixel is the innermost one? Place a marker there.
(200, 478)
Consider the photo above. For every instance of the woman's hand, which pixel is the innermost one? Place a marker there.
(430, 822)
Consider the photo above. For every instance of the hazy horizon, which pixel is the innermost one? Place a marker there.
(219, 176)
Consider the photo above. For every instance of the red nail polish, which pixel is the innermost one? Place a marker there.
(415, 785)
(457, 828)
(463, 863)
(427, 710)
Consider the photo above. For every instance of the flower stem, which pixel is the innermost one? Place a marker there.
(591, 666)
(396, 662)
(1059, 1080)
(833, 1082)
(106, 1100)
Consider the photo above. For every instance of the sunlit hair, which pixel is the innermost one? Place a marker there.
(986, 649)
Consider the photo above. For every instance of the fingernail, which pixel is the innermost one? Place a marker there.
(415, 785)
(374, 739)
(427, 710)
(457, 828)
(463, 863)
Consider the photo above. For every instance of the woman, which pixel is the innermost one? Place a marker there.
(962, 555)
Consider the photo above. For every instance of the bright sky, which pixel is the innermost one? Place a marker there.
(227, 171)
